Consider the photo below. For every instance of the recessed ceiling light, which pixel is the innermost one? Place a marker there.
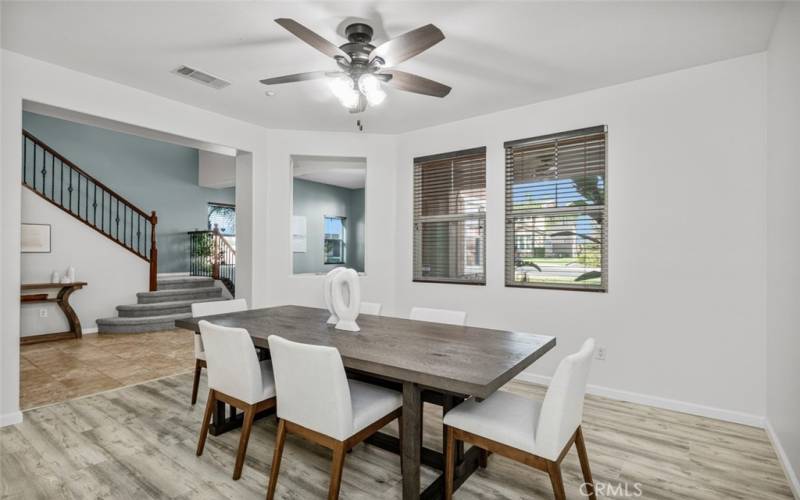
(269, 93)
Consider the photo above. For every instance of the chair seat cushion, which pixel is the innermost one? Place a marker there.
(502, 417)
(200, 355)
(371, 403)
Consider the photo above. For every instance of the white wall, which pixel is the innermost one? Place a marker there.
(783, 239)
(30, 79)
(684, 316)
(216, 170)
(113, 274)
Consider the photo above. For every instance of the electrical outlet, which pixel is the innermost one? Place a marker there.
(42, 313)
(600, 353)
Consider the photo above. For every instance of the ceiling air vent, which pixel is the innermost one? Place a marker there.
(201, 77)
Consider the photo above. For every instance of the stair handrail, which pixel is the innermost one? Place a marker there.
(140, 251)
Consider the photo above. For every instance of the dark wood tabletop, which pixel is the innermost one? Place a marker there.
(456, 359)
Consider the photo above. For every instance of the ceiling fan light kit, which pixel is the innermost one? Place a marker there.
(364, 68)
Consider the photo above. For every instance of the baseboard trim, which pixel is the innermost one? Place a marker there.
(783, 458)
(90, 331)
(658, 402)
(172, 275)
(10, 418)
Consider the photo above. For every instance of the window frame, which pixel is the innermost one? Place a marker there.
(418, 219)
(510, 234)
(342, 240)
(212, 205)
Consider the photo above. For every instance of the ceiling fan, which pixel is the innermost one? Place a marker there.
(363, 67)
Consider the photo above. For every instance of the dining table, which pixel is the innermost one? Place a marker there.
(428, 362)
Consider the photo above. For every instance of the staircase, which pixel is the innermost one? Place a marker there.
(158, 309)
(67, 186)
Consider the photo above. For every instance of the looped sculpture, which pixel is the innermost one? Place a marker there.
(346, 298)
(333, 319)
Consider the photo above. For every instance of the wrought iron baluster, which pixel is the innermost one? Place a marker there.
(70, 189)
(53, 178)
(24, 160)
(34, 167)
(94, 206)
(44, 170)
(117, 219)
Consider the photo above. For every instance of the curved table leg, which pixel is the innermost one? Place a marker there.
(69, 312)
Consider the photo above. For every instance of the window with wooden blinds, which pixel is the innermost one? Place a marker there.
(556, 219)
(450, 217)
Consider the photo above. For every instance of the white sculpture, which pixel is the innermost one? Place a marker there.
(327, 293)
(55, 277)
(346, 298)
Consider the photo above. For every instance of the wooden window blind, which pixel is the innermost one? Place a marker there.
(450, 217)
(556, 217)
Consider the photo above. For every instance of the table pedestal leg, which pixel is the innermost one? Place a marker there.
(411, 445)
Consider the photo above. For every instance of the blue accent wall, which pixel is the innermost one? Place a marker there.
(315, 201)
(152, 175)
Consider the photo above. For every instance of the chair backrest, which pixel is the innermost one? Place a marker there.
(312, 387)
(210, 308)
(373, 308)
(232, 362)
(439, 315)
(562, 408)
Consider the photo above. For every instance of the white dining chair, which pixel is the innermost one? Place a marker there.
(235, 377)
(536, 433)
(373, 308)
(318, 403)
(200, 309)
(439, 315)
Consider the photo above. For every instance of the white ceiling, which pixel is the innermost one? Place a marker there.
(346, 172)
(497, 55)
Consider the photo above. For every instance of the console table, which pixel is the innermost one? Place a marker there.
(62, 300)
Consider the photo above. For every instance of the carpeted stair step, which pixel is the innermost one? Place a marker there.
(184, 282)
(160, 308)
(181, 294)
(139, 324)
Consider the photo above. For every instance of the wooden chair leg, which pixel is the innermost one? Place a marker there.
(210, 404)
(247, 426)
(197, 369)
(280, 438)
(554, 469)
(337, 464)
(449, 461)
(580, 445)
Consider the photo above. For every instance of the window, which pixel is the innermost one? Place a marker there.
(224, 217)
(556, 211)
(450, 217)
(334, 240)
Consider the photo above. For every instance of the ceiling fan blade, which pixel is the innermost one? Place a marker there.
(408, 45)
(415, 83)
(362, 104)
(297, 77)
(311, 38)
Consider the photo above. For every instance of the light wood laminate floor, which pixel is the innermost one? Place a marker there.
(139, 442)
(51, 372)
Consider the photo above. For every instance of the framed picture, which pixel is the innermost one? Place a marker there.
(35, 238)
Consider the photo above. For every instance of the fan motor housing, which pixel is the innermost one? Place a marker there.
(359, 46)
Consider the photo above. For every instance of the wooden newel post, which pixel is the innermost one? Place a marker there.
(153, 252)
(215, 251)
